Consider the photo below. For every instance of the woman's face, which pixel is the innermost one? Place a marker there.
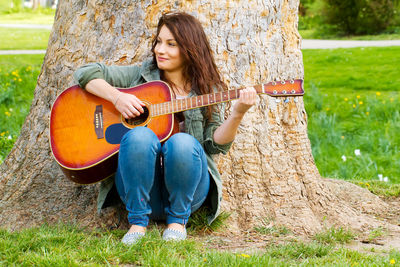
(167, 52)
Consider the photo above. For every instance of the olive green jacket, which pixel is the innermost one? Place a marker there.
(196, 124)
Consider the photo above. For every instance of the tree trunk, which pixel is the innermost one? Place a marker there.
(35, 4)
(269, 172)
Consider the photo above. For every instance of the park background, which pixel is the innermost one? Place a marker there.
(352, 104)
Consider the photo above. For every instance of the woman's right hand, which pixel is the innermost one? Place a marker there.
(128, 105)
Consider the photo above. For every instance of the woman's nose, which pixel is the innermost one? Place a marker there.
(160, 48)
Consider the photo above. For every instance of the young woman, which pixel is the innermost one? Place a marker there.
(170, 180)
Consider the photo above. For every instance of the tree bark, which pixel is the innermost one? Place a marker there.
(35, 4)
(269, 172)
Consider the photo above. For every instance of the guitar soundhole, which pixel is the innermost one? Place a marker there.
(140, 119)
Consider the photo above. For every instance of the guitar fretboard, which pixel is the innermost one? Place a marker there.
(287, 88)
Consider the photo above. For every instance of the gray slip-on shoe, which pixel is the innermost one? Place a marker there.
(174, 235)
(132, 238)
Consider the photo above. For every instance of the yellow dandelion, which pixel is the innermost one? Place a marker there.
(28, 68)
(342, 137)
(245, 255)
(20, 80)
(327, 109)
(360, 103)
(346, 99)
(354, 105)
(7, 113)
(392, 261)
(205, 259)
(358, 97)
(2, 133)
(378, 93)
(15, 79)
(367, 113)
(367, 184)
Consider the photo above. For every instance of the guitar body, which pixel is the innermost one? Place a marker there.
(86, 130)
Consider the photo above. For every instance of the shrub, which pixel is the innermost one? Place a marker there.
(359, 16)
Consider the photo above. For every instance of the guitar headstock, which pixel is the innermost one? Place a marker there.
(283, 88)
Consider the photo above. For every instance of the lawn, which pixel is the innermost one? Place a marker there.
(18, 75)
(18, 38)
(66, 245)
(42, 16)
(27, 18)
(352, 99)
(24, 38)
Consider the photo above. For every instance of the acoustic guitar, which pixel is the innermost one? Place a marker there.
(86, 130)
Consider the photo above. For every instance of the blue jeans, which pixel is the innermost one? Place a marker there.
(158, 181)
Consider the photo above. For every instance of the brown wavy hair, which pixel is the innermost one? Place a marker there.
(200, 69)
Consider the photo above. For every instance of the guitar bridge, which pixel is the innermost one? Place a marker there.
(98, 122)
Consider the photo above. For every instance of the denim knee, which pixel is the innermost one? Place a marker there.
(139, 139)
(183, 143)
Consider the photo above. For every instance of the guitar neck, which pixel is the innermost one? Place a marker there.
(276, 89)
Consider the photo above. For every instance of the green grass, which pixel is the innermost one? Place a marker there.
(20, 39)
(352, 99)
(27, 18)
(353, 70)
(380, 188)
(62, 245)
(9, 63)
(18, 74)
(42, 16)
(5, 5)
(198, 222)
(266, 226)
(334, 235)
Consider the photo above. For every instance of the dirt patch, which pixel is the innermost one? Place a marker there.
(382, 239)
(379, 240)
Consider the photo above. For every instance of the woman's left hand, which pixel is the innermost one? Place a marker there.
(226, 132)
(247, 98)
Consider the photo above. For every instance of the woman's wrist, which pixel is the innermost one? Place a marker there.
(116, 98)
(236, 115)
